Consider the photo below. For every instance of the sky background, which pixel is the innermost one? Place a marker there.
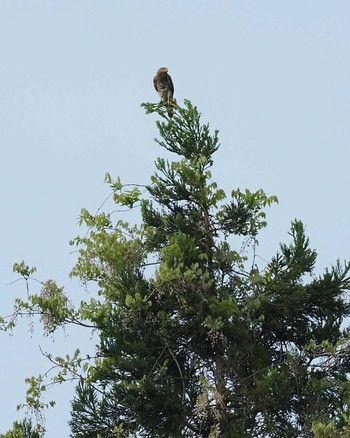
(272, 76)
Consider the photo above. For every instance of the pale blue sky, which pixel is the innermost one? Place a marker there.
(272, 76)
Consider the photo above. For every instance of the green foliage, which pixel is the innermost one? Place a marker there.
(244, 214)
(24, 429)
(184, 134)
(24, 270)
(192, 341)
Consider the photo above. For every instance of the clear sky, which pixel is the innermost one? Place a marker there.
(272, 76)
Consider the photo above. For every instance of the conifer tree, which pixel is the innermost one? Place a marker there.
(24, 429)
(204, 346)
(196, 339)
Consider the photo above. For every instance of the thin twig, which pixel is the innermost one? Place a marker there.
(180, 372)
(158, 359)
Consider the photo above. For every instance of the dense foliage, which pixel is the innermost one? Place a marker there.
(196, 339)
(24, 429)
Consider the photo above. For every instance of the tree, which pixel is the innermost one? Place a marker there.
(195, 339)
(24, 429)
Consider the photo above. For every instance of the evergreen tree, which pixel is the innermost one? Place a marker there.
(203, 346)
(195, 339)
(24, 429)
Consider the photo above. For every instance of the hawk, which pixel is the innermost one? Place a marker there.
(164, 85)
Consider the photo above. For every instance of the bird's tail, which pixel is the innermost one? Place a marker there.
(171, 104)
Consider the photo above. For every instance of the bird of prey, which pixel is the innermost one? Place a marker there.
(164, 85)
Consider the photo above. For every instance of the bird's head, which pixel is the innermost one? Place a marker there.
(162, 70)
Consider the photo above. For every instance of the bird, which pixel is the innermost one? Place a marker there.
(164, 86)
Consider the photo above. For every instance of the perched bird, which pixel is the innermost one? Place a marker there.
(164, 85)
